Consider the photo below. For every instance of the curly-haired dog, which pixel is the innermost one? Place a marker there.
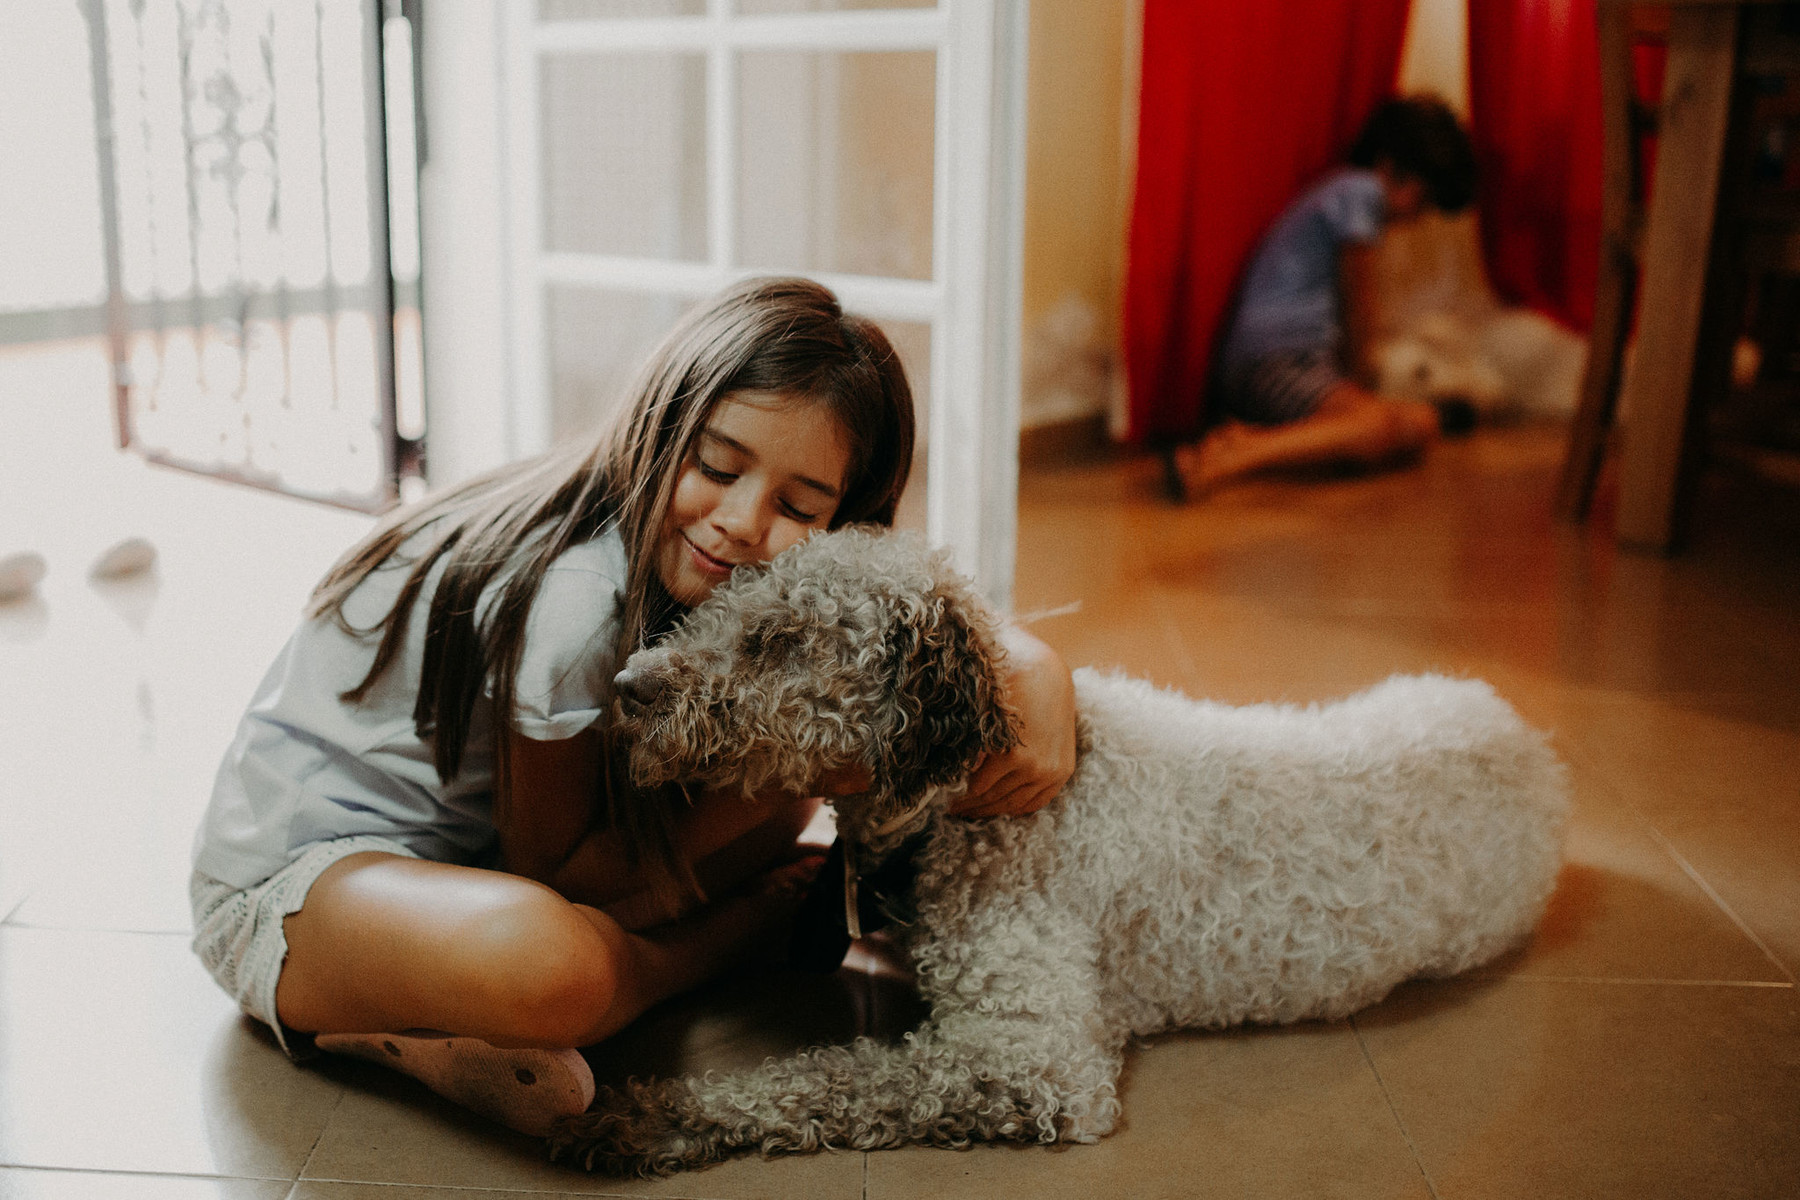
(1206, 865)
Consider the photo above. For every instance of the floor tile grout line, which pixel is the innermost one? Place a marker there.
(1580, 751)
(1700, 881)
(1628, 981)
(343, 1090)
(8, 923)
(1393, 1109)
(21, 1166)
(12, 924)
(1687, 868)
(473, 1188)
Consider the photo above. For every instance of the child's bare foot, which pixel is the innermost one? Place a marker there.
(1215, 459)
(522, 1089)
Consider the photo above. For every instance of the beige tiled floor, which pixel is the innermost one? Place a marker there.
(1646, 1044)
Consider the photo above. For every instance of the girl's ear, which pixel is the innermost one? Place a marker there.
(945, 703)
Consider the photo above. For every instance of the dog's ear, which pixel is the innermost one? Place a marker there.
(945, 700)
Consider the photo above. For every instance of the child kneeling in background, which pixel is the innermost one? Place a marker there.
(1300, 337)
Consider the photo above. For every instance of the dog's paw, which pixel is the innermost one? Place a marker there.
(631, 1132)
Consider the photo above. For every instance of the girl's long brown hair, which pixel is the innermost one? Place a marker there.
(787, 336)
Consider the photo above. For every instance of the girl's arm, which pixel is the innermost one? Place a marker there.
(545, 820)
(548, 831)
(1043, 695)
(1357, 291)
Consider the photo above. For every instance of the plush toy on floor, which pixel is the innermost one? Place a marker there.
(1206, 866)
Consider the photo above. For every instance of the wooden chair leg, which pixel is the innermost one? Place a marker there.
(1616, 286)
(1613, 295)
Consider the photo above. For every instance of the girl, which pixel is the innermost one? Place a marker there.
(421, 826)
(1299, 339)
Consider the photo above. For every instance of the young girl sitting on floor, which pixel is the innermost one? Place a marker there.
(1300, 338)
(421, 848)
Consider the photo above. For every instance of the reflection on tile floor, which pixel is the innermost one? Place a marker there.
(1646, 1044)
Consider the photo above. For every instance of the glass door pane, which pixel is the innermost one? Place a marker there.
(912, 341)
(836, 161)
(559, 10)
(598, 339)
(761, 7)
(624, 154)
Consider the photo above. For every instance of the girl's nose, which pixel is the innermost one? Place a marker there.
(739, 516)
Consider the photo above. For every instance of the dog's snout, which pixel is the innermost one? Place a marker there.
(637, 687)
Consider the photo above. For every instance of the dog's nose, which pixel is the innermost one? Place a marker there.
(637, 687)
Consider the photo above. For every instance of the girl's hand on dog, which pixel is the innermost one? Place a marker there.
(1042, 694)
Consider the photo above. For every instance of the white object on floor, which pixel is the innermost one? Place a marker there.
(1512, 363)
(20, 574)
(523, 1089)
(1441, 332)
(127, 557)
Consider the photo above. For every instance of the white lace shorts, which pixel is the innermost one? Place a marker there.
(238, 932)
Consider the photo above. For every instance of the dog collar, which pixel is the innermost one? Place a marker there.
(852, 921)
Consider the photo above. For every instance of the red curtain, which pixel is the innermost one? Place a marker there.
(1534, 92)
(1242, 104)
(1534, 100)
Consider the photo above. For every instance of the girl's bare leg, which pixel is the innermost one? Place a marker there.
(496, 961)
(1351, 425)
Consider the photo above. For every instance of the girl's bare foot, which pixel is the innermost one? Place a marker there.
(524, 1089)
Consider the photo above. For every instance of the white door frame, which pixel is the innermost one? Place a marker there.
(482, 201)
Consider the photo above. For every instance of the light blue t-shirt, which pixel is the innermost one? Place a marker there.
(307, 767)
(1289, 300)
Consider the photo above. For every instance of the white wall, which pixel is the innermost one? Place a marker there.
(1078, 165)
(1435, 57)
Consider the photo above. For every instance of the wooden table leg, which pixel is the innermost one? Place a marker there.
(1678, 247)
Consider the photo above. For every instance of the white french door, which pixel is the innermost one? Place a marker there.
(655, 150)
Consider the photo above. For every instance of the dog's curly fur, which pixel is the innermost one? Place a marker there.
(1206, 865)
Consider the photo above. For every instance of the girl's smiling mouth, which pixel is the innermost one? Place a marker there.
(705, 561)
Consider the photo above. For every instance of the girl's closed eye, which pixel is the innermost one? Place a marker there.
(790, 509)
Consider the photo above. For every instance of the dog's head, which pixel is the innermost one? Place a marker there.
(857, 651)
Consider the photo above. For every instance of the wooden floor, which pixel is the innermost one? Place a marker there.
(1646, 1044)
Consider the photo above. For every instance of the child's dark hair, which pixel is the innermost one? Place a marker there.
(496, 536)
(1420, 137)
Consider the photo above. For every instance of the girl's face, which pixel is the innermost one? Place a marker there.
(1405, 194)
(765, 471)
